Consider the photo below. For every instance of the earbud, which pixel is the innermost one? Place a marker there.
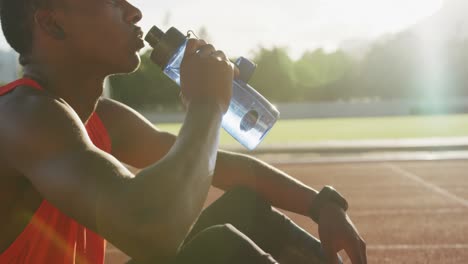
(58, 32)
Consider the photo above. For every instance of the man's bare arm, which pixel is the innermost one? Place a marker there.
(138, 143)
(336, 229)
(45, 140)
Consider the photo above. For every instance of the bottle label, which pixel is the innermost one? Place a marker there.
(249, 121)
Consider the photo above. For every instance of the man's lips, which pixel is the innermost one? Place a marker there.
(141, 43)
(139, 32)
(139, 35)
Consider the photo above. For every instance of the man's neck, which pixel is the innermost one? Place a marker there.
(79, 89)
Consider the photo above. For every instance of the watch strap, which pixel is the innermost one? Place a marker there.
(327, 194)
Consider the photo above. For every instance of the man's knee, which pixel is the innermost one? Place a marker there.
(240, 207)
(225, 232)
(216, 241)
(243, 197)
(224, 244)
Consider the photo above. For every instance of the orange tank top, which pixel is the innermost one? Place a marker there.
(51, 236)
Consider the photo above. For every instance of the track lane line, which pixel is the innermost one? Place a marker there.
(417, 247)
(407, 211)
(434, 188)
(377, 247)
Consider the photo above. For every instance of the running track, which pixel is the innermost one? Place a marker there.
(408, 212)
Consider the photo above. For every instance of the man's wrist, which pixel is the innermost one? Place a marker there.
(327, 195)
(205, 103)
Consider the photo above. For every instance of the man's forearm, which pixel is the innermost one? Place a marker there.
(174, 189)
(276, 186)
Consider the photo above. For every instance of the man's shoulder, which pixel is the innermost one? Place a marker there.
(16, 103)
(134, 138)
(113, 108)
(27, 104)
(19, 93)
(33, 119)
(117, 115)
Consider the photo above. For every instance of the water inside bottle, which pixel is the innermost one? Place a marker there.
(249, 117)
(172, 69)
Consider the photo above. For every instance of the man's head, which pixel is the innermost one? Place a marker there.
(100, 33)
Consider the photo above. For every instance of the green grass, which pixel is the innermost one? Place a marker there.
(316, 130)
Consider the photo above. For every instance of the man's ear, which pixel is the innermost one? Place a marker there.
(49, 22)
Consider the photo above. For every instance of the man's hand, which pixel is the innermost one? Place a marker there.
(337, 232)
(206, 74)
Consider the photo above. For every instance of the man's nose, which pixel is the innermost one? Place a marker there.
(133, 14)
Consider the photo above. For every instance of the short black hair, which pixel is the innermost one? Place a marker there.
(16, 17)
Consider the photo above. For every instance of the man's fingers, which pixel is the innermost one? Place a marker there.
(193, 45)
(328, 247)
(363, 251)
(332, 258)
(236, 72)
(355, 252)
(182, 98)
(219, 54)
(206, 50)
(330, 254)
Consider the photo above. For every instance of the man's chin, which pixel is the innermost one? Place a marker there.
(135, 63)
(129, 67)
(134, 68)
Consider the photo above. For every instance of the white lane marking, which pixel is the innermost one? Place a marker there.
(407, 211)
(426, 184)
(417, 247)
(378, 247)
(307, 159)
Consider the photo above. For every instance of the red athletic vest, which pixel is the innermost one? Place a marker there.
(52, 237)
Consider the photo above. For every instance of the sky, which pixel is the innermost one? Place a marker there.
(240, 27)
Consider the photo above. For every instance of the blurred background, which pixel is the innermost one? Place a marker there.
(373, 96)
(401, 61)
(334, 58)
(319, 59)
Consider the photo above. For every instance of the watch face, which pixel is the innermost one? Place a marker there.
(333, 195)
(327, 194)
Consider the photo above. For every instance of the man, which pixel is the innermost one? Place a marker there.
(62, 182)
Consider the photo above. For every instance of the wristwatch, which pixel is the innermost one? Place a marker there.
(327, 194)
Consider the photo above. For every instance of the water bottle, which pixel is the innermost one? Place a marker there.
(249, 117)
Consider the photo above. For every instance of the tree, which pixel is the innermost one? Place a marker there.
(202, 33)
(148, 87)
(274, 77)
(316, 70)
(408, 66)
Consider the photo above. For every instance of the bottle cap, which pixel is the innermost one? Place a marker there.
(246, 69)
(154, 36)
(164, 44)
